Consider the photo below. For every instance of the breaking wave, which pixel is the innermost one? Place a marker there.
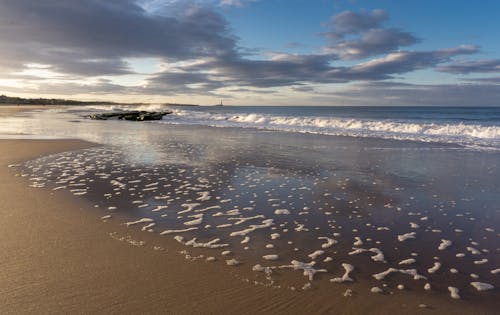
(487, 136)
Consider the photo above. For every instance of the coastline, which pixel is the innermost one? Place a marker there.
(59, 257)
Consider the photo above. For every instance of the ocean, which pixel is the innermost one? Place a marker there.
(476, 127)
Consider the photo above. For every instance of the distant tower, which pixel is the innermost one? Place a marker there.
(221, 103)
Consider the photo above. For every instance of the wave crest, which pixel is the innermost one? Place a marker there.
(446, 132)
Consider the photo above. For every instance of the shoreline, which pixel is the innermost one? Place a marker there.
(60, 257)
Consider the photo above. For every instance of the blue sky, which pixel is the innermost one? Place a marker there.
(272, 24)
(253, 52)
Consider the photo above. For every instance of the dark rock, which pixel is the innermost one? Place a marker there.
(131, 115)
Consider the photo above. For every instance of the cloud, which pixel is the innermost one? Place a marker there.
(183, 83)
(394, 93)
(476, 66)
(493, 80)
(234, 3)
(367, 36)
(372, 42)
(406, 61)
(287, 69)
(86, 40)
(349, 22)
(72, 35)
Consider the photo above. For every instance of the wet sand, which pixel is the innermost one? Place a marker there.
(57, 256)
(8, 110)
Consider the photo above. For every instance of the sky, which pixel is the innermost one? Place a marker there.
(253, 52)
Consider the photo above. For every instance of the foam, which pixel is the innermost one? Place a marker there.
(434, 268)
(148, 227)
(347, 293)
(408, 261)
(358, 241)
(275, 236)
(265, 224)
(315, 254)
(159, 208)
(308, 268)
(127, 239)
(270, 257)
(446, 132)
(208, 209)
(281, 212)
(204, 196)
(329, 242)
(222, 226)
(189, 207)
(194, 243)
(406, 236)
(345, 277)
(232, 262)
(454, 293)
(480, 262)
(376, 290)
(411, 272)
(444, 244)
(481, 286)
(473, 251)
(197, 221)
(379, 255)
(178, 231)
(143, 220)
(245, 219)
(260, 268)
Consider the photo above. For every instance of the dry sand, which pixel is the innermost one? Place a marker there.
(56, 256)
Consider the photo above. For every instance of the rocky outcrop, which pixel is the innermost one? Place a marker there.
(130, 115)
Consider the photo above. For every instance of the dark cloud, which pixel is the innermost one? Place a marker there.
(477, 66)
(75, 35)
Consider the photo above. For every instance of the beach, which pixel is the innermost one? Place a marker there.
(79, 233)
